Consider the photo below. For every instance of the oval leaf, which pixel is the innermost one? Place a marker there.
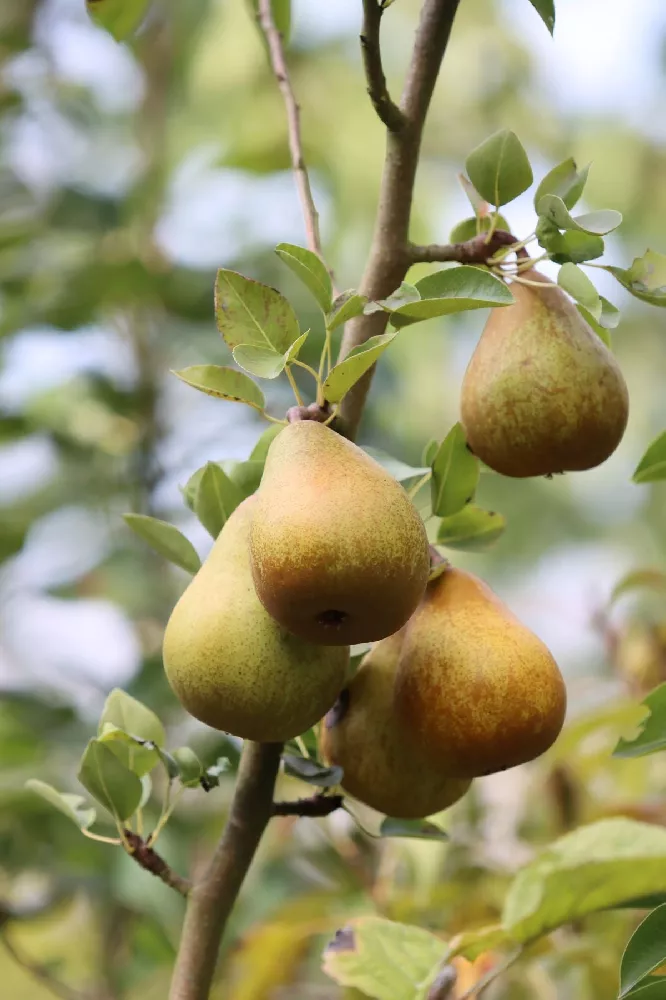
(216, 498)
(651, 737)
(565, 181)
(469, 228)
(578, 285)
(71, 806)
(453, 290)
(109, 781)
(652, 466)
(594, 868)
(455, 474)
(472, 529)
(573, 246)
(499, 168)
(265, 440)
(645, 951)
(295, 348)
(311, 772)
(345, 307)
(546, 11)
(223, 383)
(125, 712)
(249, 312)
(132, 752)
(311, 270)
(263, 362)
(591, 321)
(552, 208)
(120, 18)
(417, 829)
(347, 373)
(645, 279)
(166, 539)
(190, 768)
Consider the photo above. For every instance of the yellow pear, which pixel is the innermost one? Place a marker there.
(231, 665)
(542, 394)
(339, 552)
(382, 766)
(477, 689)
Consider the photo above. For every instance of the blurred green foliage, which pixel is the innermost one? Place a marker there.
(126, 178)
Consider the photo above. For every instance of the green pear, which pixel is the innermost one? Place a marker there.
(542, 393)
(339, 552)
(231, 665)
(477, 689)
(382, 766)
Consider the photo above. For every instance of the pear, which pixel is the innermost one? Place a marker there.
(231, 665)
(339, 552)
(381, 764)
(478, 690)
(542, 393)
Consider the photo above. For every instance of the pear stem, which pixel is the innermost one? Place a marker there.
(213, 895)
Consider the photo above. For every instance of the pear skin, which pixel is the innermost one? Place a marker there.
(542, 394)
(231, 665)
(478, 690)
(382, 767)
(339, 552)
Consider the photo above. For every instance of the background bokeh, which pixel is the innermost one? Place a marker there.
(128, 174)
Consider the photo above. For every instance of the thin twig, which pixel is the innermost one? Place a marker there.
(317, 805)
(388, 112)
(42, 974)
(279, 66)
(212, 897)
(152, 862)
(389, 258)
(478, 250)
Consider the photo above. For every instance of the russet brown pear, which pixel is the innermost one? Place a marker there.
(542, 394)
(231, 665)
(339, 552)
(382, 766)
(476, 688)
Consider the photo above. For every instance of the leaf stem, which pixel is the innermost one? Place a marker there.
(116, 841)
(292, 383)
(413, 490)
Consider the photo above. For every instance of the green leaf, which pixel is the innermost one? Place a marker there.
(223, 383)
(146, 789)
(652, 988)
(594, 868)
(347, 373)
(417, 829)
(645, 951)
(453, 290)
(109, 781)
(429, 452)
(480, 206)
(402, 296)
(600, 330)
(655, 579)
(216, 498)
(190, 768)
(652, 466)
(645, 279)
(578, 285)
(455, 474)
(573, 246)
(472, 529)
(249, 312)
(565, 181)
(399, 470)
(212, 774)
(134, 753)
(385, 960)
(546, 11)
(120, 18)
(125, 712)
(346, 306)
(295, 348)
(166, 539)
(651, 737)
(553, 208)
(610, 314)
(72, 806)
(499, 168)
(472, 944)
(311, 772)
(260, 450)
(260, 361)
(467, 229)
(311, 270)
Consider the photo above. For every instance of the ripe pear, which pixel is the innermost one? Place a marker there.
(381, 764)
(542, 393)
(339, 552)
(478, 690)
(231, 665)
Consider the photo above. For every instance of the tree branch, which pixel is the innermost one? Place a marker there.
(152, 862)
(211, 899)
(279, 66)
(389, 257)
(42, 974)
(317, 805)
(388, 112)
(478, 250)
